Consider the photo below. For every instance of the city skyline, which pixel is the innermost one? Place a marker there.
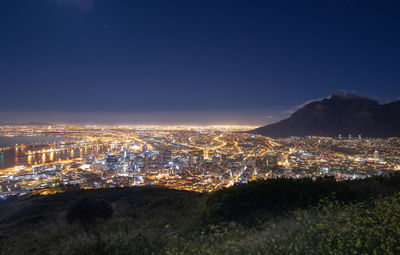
(41, 159)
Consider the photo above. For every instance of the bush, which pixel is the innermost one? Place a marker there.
(276, 196)
(86, 210)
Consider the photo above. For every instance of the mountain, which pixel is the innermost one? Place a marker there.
(341, 113)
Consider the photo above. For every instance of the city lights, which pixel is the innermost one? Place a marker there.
(202, 159)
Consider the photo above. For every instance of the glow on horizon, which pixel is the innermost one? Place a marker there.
(251, 118)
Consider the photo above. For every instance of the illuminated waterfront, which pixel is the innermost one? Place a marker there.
(15, 150)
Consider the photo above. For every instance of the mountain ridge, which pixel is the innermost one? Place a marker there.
(341, 113)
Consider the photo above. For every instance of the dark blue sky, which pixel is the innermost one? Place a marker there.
(248, 61)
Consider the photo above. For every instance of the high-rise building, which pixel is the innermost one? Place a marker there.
(127, 154)
(191, 160)
(112, 162)
(253, 167)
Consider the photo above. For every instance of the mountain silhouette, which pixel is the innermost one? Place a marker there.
(341, 113)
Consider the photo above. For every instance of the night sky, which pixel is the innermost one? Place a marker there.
(126, 61)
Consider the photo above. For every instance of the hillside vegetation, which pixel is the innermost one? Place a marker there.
(278, 216)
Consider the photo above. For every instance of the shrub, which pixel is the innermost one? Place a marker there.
(86, 210)
(276, 196)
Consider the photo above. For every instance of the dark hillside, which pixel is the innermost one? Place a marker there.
(258, 199)
(125, 201)
(277, 216)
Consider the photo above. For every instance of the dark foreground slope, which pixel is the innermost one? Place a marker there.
(125, 201)
(275, 216)
(341, 113)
